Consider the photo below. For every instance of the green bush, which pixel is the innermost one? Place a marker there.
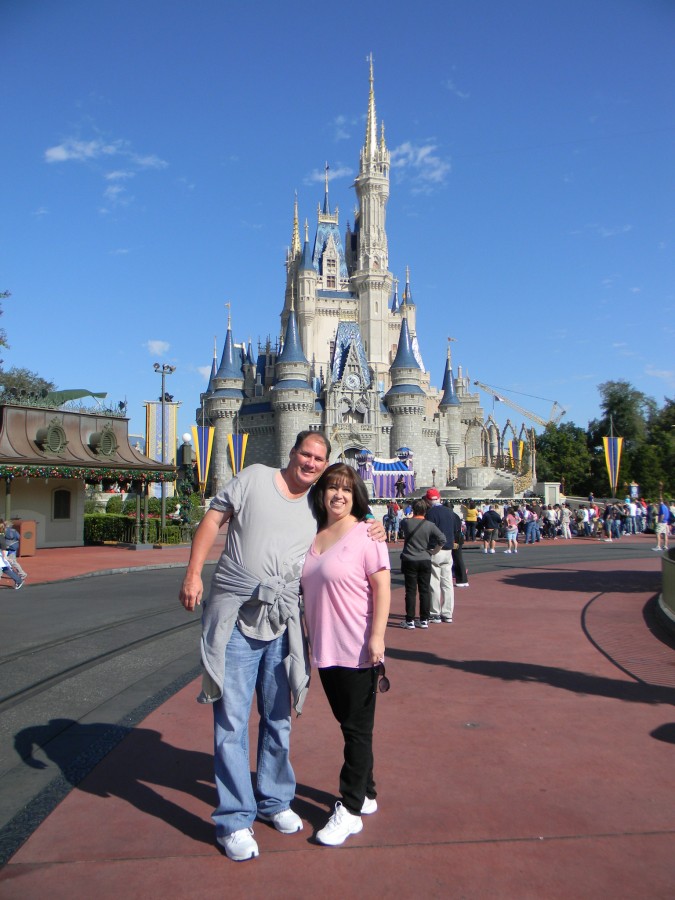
(105, 527)
(114, 505)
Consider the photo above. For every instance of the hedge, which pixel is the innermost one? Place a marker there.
(106, 527)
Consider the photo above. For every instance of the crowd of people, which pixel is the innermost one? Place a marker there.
(533, 522)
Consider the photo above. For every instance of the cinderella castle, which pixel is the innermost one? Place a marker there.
(348, 363)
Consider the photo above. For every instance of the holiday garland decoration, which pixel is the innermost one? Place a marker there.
(87, 473)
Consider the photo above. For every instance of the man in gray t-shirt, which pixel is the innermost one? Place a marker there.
(270, 529)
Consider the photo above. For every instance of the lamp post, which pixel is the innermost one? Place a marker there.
(163, 369)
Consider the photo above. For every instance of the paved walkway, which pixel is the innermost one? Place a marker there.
(525, 751)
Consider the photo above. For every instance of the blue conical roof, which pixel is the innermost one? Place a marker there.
(230, 363)
(449, 397)
(395, 303)
(306, 259)
(405, 358)
(292, 351)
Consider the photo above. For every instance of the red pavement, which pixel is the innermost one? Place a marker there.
(516, 757)
(77, 562)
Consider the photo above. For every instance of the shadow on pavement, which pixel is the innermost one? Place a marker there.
(583, 580)
(146, 760)
(564, 679)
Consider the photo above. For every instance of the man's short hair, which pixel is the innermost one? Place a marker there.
(315, 435)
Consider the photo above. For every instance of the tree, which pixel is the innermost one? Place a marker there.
(16, 383)
(563, 454)
(625, 410)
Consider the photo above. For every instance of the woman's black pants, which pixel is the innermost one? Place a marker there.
(351, 695)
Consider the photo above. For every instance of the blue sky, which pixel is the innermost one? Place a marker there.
(152, 149)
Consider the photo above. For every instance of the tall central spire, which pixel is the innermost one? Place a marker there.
(371, 120)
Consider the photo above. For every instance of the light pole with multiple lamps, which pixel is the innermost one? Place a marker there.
(163, 369)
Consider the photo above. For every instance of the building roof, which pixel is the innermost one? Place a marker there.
(41, 442)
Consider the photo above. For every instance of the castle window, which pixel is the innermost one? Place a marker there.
(330, 281)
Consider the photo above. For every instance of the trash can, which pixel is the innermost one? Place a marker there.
(27, 529)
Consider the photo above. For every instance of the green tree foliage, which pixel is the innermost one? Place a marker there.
(16, 383)
(563, 454)
(625, 410)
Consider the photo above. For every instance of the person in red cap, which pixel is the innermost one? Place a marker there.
(442, 590)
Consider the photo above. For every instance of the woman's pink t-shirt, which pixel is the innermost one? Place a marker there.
(339, 600)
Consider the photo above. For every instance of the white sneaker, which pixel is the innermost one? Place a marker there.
(239, 845)
(492, 551)
(339, 827)
(507, 551)
(369, 806)
(286, 821)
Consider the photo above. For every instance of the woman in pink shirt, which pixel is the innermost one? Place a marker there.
(346, 590)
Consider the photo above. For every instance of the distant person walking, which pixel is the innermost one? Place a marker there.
(662, 526)
(13, 538)
(491, 522)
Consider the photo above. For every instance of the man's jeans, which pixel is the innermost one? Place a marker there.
(252, 665)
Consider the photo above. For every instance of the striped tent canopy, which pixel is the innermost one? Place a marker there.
(384, 474)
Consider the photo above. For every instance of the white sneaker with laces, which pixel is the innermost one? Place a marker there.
(286, 821)
(369, 806)
(239, 845)
(339, 827)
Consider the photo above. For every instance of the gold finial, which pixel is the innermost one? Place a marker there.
(306, 230)
(229, 317)
(215, 347)
(292, 297)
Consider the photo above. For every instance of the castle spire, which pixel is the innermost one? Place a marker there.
(371, 118)
(407, 293)
(405, 356)
(326, 207)
(295, 241)
(449, 397)
(395, 303)
(230, 363)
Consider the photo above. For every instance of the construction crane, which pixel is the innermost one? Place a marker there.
(556, 414)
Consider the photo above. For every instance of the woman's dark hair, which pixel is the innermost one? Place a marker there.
(472, 505)
(419, 508)
(340, 475)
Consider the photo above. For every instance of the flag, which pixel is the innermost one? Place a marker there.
(613, 447)
(203, 441)
(237, 447)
